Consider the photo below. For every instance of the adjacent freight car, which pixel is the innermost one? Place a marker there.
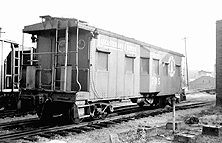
(77, 70)
(10, 73)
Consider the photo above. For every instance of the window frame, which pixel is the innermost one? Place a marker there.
(158, 71)
(166, 69)
(133, 64)
(178, 72)
(142, 72)
(99, 67)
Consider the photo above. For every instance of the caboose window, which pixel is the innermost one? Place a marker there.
(165, 69)
(129, 64)
(155, 66)
(103, 61)
(144, 65)
(177, 70)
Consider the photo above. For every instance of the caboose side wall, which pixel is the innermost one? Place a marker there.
(162, 81)
(149, 77)
(155, 71)
(83, 61)
(145, 70)
(44, 44)
(171, 81)
(110, 79)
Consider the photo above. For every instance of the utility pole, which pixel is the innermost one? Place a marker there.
(185, 38)
(1, 32)
(1, 61)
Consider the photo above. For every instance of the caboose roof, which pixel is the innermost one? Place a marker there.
(50, 23)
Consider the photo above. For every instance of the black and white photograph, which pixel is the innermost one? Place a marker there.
(111, 71)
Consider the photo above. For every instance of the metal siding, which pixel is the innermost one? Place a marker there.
(155, 80)
(129, 84)
(102, 83)
(170, 85)
(45, 45)
(99, 81)
(137, 72)
(120, 73)
(112, 73)
(145, 78)
(30, 77)
(68, 78)
(92, 77)
(83, 62)
(144, 83)
(114, 82)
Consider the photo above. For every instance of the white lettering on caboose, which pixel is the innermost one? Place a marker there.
(113, 43)
(155, 81)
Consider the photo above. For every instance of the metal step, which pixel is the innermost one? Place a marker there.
(84, 116)
(83, 106)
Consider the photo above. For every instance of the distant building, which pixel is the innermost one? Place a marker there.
(204, 80)
(205, 73)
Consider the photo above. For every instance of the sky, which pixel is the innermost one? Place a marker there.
(163, 23)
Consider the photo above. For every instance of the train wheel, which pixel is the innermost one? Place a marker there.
(162, 102)
(94, 112)
(104, 111)
(19, 104)
(149, 101)
(73, 114)
(100, 111)
(169, 101)
(155, 103)
(140, 102)
(45, 111)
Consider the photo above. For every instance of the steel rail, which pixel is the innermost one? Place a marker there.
(102, 122)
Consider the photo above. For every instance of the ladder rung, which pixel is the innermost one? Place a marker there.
(84, 116)
(45, 85)
(33, 60)
(60, 67)
(83, 106)
(59, 80)
(17, 58)
(47, 69)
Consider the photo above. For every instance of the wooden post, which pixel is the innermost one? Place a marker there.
(174, 113)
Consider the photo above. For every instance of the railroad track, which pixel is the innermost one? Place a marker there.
(209, 91)
(14, 113)
(50, 130)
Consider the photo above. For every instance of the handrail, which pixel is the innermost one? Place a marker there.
(66, 54)
(49, 53)
(77, 55)
(1, 66)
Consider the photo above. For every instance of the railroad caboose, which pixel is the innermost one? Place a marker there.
(77, 70)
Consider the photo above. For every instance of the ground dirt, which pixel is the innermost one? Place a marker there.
(153, 129)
